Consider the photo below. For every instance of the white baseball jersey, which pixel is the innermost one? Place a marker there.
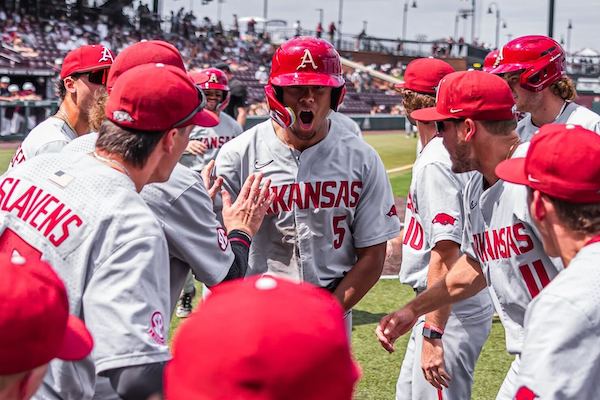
(50, 136)
(348, 123)
(560, 354)
(434, 212)
(500, 234)
(572, 114)
(329, 199)
(214, 138)
(87, 220)
(184, 209)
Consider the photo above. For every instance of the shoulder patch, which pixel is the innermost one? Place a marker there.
(157, 328)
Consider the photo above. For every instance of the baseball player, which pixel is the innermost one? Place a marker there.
(333, 209)
(205, 143)
(83, 75)
(83, 214)
(474, 113)
(534, 67)
(431, 244)
(34, 300)
(560, 354)
(314, 363)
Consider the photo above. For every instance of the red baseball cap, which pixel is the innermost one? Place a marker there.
(423, 75)
(470, 94)
(144, 52)
(263, 338)
(562, 161)
(155, 98)
(85, 59)
(35, 325)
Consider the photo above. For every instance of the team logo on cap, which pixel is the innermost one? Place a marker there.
(122, 116)
(106, 55)
(157, 328)
(213, 78)
(307, 58)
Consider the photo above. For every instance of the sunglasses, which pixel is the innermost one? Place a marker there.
(99, 77)
(201, 105)
(439, 125)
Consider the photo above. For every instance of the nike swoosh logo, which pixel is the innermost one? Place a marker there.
(258, 165)
(473, 204)
(532, 179)
(455, 110)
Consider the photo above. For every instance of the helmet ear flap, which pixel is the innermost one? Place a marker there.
(337, 97)
(281, 114)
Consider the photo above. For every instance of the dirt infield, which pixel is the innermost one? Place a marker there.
(7, 145)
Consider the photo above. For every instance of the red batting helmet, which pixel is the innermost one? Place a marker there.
(213, 78)
(540, 58)
(490, 60)
(303, 61)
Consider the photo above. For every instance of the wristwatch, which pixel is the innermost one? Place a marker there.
(431, 332)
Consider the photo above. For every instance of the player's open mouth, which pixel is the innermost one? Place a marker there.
(306, 118)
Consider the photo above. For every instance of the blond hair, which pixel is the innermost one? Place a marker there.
(564, 88)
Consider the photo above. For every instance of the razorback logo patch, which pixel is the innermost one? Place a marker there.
(157, 328)
(444, 219)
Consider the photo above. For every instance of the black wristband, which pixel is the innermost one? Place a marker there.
(240, 236)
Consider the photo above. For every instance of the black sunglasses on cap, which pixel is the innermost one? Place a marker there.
(201, 105)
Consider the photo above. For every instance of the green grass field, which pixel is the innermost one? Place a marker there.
(380, 370)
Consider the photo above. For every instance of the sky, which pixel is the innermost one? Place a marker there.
(433, 18)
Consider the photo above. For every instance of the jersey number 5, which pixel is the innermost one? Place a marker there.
(338, 231)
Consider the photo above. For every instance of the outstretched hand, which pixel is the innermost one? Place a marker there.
(394, 325)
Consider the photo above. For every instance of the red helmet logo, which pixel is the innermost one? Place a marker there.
(444, 219)
(307, 58)
(540, 60)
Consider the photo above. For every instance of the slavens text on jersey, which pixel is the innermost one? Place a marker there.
(500, 243)
(327, 194)
(51, 217)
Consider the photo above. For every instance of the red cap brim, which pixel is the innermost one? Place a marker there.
(429, 114)
(77, 343)
(205, 118)
(513, 171)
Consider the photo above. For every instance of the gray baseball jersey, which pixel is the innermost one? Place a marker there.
(214, 138)
(434, 212)
(195, 239)
(560, 354)
(102, 239)
(572, 114)
(50, 136)
(499, 234)
(348, 123)
(329, 199)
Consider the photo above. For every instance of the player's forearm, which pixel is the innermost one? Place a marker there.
(443, 255)
(242, 116)
(363, 275)
(240, 246)
(464, 280)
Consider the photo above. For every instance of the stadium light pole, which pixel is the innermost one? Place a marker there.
(404, 17)
(320, 10)
(551, 18)
(569, 29)
(265, 5)
(493, 5)
(339, 27)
